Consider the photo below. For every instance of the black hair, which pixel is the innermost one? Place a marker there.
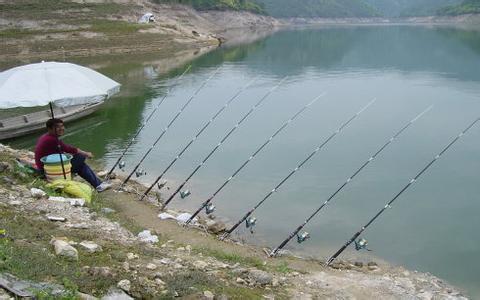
(52, 122)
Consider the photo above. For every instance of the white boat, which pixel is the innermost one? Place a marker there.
(32, 122)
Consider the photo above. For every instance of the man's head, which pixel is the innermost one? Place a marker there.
(55, 126)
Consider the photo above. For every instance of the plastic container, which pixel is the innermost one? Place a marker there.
(52, 166)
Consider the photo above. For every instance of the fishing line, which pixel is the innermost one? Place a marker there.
(389, 204)
(107, 177)
(166, 128)
(195, 137)
(186, 193)
(251, 221)
(209, 207)
(305, 235)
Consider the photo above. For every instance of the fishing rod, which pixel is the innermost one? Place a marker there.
(184, 194)
(119, 160)
(138, 174)
(251, 221)
(209, 208)
(363, 243)
(195, 137)
(305, 235)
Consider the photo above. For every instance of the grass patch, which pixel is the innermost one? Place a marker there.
(117, 27)
(283, 268)
(232, 257)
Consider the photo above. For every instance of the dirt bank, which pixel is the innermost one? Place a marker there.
(107, 256)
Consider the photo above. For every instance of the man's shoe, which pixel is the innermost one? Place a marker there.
(103, 186)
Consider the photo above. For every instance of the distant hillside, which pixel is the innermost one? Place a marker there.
(248, 5)
(403, 8)
(466, 7)
(318, 8)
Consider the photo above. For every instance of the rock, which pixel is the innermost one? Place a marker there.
(188, 248)
(100, 271)
(239, 271)
(200, 265)
(37, 193)
(372, 263)
(124, 285)
(4, 166)
(260, 277)
(146, 236)
(107, 210)
(131, 256)
(15, 202)
(116, 294)
(91, 247)
(83, 296)
(166, 261)
(63, 248)
(215, 227)
(241, 280)
(207, 295)
(359, 264)
(373, 268)
(158, 281)
(180, 249)
(151, 266)
(126, 266)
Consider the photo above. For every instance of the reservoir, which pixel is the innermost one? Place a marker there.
(432, 227)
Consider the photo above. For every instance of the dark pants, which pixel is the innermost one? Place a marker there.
(81, 168)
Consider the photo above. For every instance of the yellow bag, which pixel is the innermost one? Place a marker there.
(73, 188)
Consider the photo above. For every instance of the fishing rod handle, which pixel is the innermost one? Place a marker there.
(285, 242)
(339, 251)
(205, 203)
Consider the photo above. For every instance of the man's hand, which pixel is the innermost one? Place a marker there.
(87, 154)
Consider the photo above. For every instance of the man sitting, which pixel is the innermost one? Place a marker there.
(49, 143)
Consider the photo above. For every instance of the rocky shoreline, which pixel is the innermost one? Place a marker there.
(118, 248)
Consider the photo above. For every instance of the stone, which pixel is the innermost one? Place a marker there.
(131, 256)
(216, 227)
(188, 248)
(260, 277)
(126, 266)
(4, 166)
(239, 271)
(37, 193)
(116, 294)
(91, 247)
(373, 268)
(151, 266)
(372, 263)
(124, 285)
(359, 264)
(15, 202)
(181, 249)
(240, 280)
(166, 261)
(207, 295)
(63, 248)
(83, 296)
(200, 264)
(107, 210)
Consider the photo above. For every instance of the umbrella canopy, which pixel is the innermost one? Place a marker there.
(64, 84)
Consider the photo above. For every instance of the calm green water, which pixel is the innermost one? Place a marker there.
(432, 227)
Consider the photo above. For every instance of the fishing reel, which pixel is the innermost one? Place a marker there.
(361, 244)
(302, 237)
(140, 173)
(121, 165)
(250, 222)
(209, 208)
(185, 193)
(161, 184)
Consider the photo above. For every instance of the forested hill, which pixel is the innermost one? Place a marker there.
(318, 8)
(248, 5)
(466, 7)
(403, 8)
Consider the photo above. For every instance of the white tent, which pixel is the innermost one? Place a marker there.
(147, 18)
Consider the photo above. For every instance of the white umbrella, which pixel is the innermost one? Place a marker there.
(64, 84)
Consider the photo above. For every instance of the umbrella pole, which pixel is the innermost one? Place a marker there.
(51, 110)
